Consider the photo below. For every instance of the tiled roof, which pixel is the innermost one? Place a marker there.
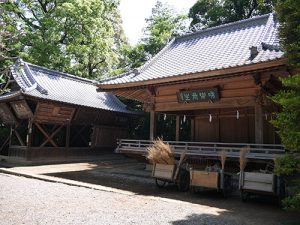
(210, 49)
(48, 84)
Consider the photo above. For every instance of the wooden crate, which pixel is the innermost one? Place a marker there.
(163, 171)
(204, 179)
(258, 182)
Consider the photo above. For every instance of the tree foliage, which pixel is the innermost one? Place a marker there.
(162, 25)
(9, 40)
(288, 120)
(75, 36)
(209, 13)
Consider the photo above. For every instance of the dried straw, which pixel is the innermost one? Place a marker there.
(223, 158)
(243, 158)
(160, 152)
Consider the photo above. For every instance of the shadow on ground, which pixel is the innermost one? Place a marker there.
(205, 219)
(130, 175)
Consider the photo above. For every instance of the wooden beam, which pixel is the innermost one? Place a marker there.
(5, 143)
(259, 135)
(19, 137)
(222, 103)
(78, 134)
(45, 134)
(51, 137)
(203, 75)
(177, 127)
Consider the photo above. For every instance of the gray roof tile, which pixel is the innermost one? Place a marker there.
(48, 84)
(215, 48)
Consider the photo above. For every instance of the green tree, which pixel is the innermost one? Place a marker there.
(288, 120)
(75, 36)
(209, 13)
(9, 41)
(162, 25)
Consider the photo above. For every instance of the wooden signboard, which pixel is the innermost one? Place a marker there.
(21, 109)
(6, 115)
(198, 95)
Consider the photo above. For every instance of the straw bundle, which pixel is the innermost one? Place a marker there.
(223, 158)
(160, 152)
(243, 158)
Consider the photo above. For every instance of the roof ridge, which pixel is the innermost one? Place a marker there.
(224, 25)
(265, 34)
(65, 75)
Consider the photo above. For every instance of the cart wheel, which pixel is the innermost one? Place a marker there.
(183, 180)
(160, 183)
(244, 196)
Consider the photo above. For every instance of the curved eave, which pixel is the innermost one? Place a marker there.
(213, 74)
(10, 96)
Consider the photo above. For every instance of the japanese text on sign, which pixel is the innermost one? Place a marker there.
(198, 95)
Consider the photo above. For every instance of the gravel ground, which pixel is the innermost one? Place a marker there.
(31, 201)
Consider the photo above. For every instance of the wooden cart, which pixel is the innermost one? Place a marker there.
(210, 180)
(261, 183)
(178, 174)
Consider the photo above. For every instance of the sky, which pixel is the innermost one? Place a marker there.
(134, 13)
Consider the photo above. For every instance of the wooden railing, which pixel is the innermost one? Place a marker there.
(207, 149)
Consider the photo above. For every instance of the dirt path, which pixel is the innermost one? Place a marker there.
(31, 201)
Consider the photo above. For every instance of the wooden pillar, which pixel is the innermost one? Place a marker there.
(152, 124)
(177, 127)
(29, 134)
(259, 124)
(192, 129)
(218, 130)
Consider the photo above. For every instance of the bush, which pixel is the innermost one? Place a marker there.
(287, 165)
(291, 203)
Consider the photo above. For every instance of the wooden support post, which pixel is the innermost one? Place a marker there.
(29, 134)
(218, 138)
(177, 127)
(259, 125)
(152, 124)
